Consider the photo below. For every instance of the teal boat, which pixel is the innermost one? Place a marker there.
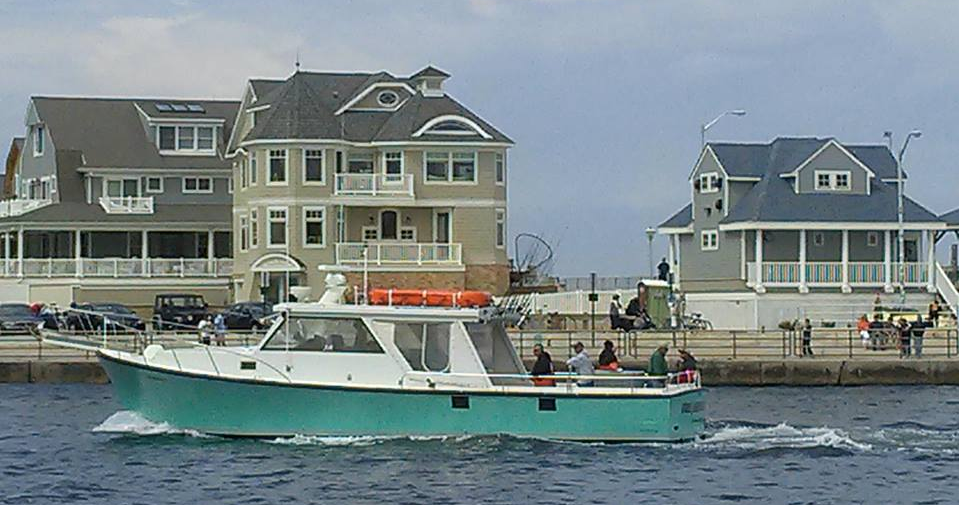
(329, 369)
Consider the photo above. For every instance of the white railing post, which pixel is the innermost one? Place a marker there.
(803, 288)
(845, 262)
(759, 262)
(116, 268)
(182, 267)
(931, 261)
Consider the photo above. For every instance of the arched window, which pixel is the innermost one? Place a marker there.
(452, 127)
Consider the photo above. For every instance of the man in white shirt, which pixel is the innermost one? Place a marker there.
(581, 364)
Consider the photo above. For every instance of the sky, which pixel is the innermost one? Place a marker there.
(604, 98)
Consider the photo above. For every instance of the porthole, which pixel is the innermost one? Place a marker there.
(387, 98)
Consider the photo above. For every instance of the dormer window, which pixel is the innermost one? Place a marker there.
(387, 98)
(832, 180)
(709, 183)
(198, 139)
(451, 128)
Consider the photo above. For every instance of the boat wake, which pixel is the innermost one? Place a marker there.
(130, 422)
(358, 440)
(773, 439)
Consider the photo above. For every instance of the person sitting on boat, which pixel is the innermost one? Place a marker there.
(687, 366)
(581, 364)
(543, 366)
(607, 358)
(657, 364)
(616, 319)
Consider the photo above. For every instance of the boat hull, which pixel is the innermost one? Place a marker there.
(239, 407)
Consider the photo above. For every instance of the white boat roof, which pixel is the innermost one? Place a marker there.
(382, 311)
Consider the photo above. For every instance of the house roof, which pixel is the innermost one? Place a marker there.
(784, 154)
(681, 219)
(81, 212)
(430, 71)
(951, 218)
(305, 107)
(111, 132)
(774, 200)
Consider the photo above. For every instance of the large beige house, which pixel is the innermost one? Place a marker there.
(365, 172)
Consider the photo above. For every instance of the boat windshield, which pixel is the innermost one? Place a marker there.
(496, 351)
(426, 346)
(323, 334)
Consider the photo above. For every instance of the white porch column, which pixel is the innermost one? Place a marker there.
(20, 252)
(845, 262)
(677, 258)
(759, 262)
(6, 253)
(211, 268)
(144, 253)
(671, 253)
(743, 274)
(78, 259)
(931, 261)
(887, 262)
(803, 288)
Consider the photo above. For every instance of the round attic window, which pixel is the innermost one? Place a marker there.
(387, 98)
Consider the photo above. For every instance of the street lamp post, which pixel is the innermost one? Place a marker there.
(650, 234)
(900, 210)
(707, 126)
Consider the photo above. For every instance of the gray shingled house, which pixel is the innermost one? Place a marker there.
(117, 199)
(798, 227)
(349, 172)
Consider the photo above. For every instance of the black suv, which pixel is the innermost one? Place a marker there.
(178, 311)
(247, 315)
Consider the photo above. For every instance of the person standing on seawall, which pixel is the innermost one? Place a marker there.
(807, 338)
(663, 268)
(918, 333)
(904, 331)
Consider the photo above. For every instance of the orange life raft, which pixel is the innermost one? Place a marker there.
(430, 297)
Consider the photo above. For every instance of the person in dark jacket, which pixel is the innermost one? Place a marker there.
(918, 333)
(607, 358)
(663, 268)
(687, 362)
(617, 320)
(904, 338)
(807, 338)
(543, 366)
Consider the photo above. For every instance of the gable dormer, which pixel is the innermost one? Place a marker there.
(379, 97)
(181, 128)
(832, 169)
(429, 81)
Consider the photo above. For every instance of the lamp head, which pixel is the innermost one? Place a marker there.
(915, 133)
(738, 112)
(887, 134)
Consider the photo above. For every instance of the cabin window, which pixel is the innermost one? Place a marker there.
(495, 351)
(323, 335)
(426, 347)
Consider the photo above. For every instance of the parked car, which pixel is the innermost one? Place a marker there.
(17, 318)
(178, 311)
(247, 315)
(90, 317)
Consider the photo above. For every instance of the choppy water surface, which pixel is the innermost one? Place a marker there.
(70, 444)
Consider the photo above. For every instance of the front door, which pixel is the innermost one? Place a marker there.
(443, 221)
(388, 225)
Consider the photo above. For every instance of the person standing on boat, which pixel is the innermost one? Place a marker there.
(581, 364)
(219, 327)
(205, 328)
(807, 338)
(543, 366)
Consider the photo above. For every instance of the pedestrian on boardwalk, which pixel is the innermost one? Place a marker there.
(904, 331)
(663, 268)
(205, 328)
(807, 338)
(863, 327)
(918, 333)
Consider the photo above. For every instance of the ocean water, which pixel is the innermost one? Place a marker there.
(72, 444)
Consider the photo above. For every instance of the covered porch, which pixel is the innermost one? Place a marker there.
(846, 259)
(397, 236)
(115, 253)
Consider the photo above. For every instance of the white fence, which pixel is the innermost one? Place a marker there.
(374, 185)
(399, 253)
(116, 267)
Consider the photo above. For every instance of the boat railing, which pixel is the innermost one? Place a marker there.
(246, 356)
(689, 379)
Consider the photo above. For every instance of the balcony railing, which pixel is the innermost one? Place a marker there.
(399, 253)
(830, 273)
(116, 267)
(374, 185)
(19, 206)
(127, 204)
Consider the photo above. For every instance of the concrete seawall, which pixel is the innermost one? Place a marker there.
(790, 372)
(53, 372)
